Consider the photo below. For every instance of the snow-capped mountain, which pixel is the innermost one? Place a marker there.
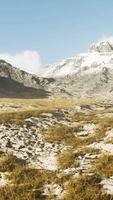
(84, 76)
(88, 75)
(99, 56)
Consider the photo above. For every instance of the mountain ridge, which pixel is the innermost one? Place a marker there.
(88, 75)
(98, 56)
(17, 83)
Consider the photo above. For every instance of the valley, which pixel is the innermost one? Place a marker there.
(56, 129)
(56, 100)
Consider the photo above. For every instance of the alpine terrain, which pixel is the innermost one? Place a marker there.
(86, 75)
(56, 129)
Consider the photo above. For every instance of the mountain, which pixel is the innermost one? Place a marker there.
(86, 75)
(17, 83)
(99, 56)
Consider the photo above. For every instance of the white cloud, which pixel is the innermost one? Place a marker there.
(27, 60)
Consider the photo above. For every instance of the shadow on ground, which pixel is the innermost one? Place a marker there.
(13, 89)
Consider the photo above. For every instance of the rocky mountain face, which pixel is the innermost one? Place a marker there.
(98, 57)
(17, 83)
(58, 149)
(86, 75)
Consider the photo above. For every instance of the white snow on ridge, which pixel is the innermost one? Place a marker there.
(105, 45)
(99, 56)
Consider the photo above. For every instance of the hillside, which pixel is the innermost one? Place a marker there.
(87, 75)
(56, 133)
(16, 83)
(59, 150)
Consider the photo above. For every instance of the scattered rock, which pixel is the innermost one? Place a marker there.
(3, 180)
(87, 130)
(52, 189)
(108, 185)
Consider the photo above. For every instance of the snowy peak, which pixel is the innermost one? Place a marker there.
(102, 46)
(99, 56)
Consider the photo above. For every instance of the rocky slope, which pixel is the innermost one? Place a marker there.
(86, 75)
(17, 83)
(68, 149)
(98, 57)
(61, 152)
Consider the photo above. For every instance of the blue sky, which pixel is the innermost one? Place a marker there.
(56, 29)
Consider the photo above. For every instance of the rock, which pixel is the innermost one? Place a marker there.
(108, 185)
(3, 180)
(52, 189)
(9, 144)
(28, 144)
(88, 129)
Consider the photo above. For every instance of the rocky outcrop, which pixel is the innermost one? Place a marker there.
(20, 84)
(87, 75)
(84, 76)
(98, 57)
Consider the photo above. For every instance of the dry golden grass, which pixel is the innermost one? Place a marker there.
(85, 188)
(67, 159)
(104, 166)
(37, 106)
(25, 183)
(60, 101)
(60, 133)
(67, 135)
(9, 163)
(86, 150)
(18, 117)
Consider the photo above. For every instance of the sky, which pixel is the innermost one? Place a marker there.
(34, 33)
